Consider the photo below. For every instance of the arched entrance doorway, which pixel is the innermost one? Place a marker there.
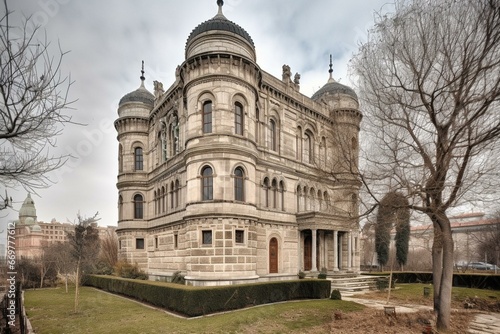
(273, 256)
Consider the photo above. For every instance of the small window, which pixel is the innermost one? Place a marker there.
(207, 117)
(206, 237)
(139, 159)
(239, 236)
(156, 242)
(176, 241)
(139, 243)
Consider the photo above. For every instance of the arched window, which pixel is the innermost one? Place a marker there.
(172, 195)
(120, 208)
(239, 185)
(155, 196)
(272, 135)
(138, 207)
(177, 190)
(274, 199)
(120, 158)
(238, 119)
(207, 184)
(257, 126)
(163, 200)
(308, 148)
(266, 192)
(282, 195)
(138, 158)
(207, 117)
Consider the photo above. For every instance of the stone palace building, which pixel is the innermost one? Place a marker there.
(231, 175)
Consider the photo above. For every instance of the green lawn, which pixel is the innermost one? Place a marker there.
(51, 311)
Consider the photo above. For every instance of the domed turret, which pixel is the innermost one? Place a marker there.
(27, 213)
(219, 34)
(137, 103)
(336, 94)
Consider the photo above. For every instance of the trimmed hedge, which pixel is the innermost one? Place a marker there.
(475, 280)
(196, 301)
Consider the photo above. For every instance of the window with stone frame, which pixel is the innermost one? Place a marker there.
(239, 184)
(238, 119)
(239, 236)
(138, 207)
(139, 243)
(138, 158)
(206, 237)
(207, 184)
(207, 117)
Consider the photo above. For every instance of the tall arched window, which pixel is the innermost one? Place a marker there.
(120, 208)
(238, 119)
(207, 117)
(163, 200)
(138, 158)
(177, 190)
(266, 192)
(207, 184)
(272, 135)
(138, 207)
(172, 195)
(308, 148)
(282, 195)
(155, 196)
(120, 158)
(239, 185)
(274, 199)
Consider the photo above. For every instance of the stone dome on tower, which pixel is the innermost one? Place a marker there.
(335, 91)
(27, 213)
(137, 103)
(219, 34)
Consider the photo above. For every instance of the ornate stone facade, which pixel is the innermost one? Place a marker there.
(232, 175)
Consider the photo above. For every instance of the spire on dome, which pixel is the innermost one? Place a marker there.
(220, 3)
(142, 74)
(330, 79)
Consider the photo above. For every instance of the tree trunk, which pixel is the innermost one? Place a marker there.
(437, 264)
(77, 283)
(443, 319)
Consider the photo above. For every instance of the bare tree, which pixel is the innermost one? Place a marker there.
(33, 98)
(109, 249)
(85, 248)
(429, 77)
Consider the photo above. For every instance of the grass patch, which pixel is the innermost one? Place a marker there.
(51, 311)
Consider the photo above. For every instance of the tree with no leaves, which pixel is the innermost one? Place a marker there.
(429, 77)
(84, 241)
(33, 98)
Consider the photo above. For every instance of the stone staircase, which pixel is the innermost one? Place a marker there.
(350, 285)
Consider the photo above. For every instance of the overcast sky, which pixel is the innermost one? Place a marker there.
(108, 40)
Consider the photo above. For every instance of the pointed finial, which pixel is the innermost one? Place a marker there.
(331, 67)
(220, 3)
(142, 72)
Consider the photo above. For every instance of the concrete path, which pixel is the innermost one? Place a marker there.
(484, 323)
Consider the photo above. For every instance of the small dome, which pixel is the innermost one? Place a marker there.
(28, 208)
(36, 228)
(333, 87)
(219, 22)
(29, 221)
(219, 34)
(139, 95)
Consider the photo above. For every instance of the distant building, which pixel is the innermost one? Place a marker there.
(32, 236)
(232, 175)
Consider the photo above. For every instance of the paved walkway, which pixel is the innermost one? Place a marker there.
(484, 323)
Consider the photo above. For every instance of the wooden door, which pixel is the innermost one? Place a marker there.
(273, 256)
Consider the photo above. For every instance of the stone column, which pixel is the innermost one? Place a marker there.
(335, 250)
(314, 242)
(349, 250)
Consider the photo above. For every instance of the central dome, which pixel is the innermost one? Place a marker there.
(219, 34)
